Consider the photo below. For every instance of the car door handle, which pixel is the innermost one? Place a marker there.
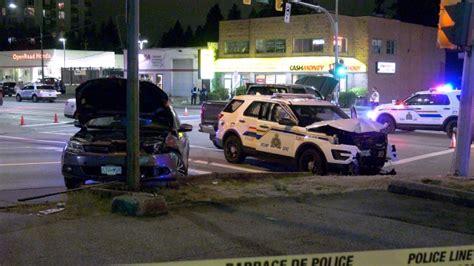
(242, 121)
(416, 108)
(264, 126)
(446, 108)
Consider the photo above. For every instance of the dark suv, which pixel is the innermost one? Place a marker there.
(270, 89)
(9, 88)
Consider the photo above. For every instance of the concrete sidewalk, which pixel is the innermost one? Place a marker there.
(354, 221)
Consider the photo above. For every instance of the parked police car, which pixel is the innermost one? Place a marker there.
(435, 109)
(313, 134)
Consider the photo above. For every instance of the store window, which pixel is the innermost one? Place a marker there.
(308, 45)
(271, 46)
(376, 46)
(280, 79)
(29, 11)
(391, 47)
(236, 47)
(342, 44)
(61, 15)
(61, 5)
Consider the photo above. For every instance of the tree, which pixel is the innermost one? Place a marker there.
(188, 37)
(211, 28)
(234, 13)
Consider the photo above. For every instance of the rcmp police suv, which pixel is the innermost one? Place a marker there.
(435, 109)
(313, 134)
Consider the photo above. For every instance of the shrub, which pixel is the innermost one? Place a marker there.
(218, 94)
(239, 91)
(347, 99)
(360, 92)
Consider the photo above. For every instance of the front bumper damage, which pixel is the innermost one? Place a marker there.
(153, 168)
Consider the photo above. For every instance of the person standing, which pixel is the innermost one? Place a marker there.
(374, 97)
(204, 93)
(194, 95)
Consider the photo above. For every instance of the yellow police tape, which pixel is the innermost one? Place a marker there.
(455, 256)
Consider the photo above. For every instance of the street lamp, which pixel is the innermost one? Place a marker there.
(63, 40)
(13, 6)
(141, 43)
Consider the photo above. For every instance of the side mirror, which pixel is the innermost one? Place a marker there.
(185, 128)
(287, 122)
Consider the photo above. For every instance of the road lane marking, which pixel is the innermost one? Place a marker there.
(233, 167)
(48, 124)
(422, 157)
(205, 148)
(35, 140)
(57, 133)
(193, 171)
(24, 164)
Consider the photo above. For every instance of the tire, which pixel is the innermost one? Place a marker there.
(72, 183)
(34, 98)
(450, 126)
(51, 101)
(313, 161)
(10, 95)
(233, 149)
(181, 167)
(18, 98)
(387, 120)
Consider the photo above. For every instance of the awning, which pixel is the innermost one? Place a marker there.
(316, 64)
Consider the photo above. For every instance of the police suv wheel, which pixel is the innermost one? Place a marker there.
(18, 98)
(233, 150)
(34, 98)
(389, 123)
(450, 127)
(311, 161)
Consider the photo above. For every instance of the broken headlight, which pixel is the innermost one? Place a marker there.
(74, 146)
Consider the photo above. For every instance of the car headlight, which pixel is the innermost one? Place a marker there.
(372, 115)
(74, 146)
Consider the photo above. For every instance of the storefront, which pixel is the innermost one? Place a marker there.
(286, 70)
(25, 66)
(173, 69)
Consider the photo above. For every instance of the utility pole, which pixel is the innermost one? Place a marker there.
(464, 130)
(133, 94)
(41, 39)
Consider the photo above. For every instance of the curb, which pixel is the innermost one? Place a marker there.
(238, 176)
(455, 196)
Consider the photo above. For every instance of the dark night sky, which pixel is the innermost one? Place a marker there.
(157, 16)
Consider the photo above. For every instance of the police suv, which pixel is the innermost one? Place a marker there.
(435, 109)
(314, 135)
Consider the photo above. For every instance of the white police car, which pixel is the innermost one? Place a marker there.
(313, 135)
(435, 109)
(37, 92)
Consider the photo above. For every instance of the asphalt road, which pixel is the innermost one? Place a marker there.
(30, 154)
(352, 221)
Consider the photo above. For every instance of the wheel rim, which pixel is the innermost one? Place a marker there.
(386, 122)
(232, 149)
(180, 167)
(35, 99)
(309, 163)
(18, 98)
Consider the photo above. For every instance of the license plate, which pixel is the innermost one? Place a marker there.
(365, 153)
(111, 170)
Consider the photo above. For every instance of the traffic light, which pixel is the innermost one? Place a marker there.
(279, 5)
(338, 70)
(247, 2)
(453, 27)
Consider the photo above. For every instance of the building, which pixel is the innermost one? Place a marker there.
(60, 16)
(26, 65)
(396, 57)
(173, 69)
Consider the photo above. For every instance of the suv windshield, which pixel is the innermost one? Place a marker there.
(310, 114)
(265, 90)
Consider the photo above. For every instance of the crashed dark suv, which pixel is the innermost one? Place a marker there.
(98, 151)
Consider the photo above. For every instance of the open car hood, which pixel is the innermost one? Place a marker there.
(108, 97)
(325, 85)
(355, 125)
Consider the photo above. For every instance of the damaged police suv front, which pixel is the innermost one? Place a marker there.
(315, 135)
